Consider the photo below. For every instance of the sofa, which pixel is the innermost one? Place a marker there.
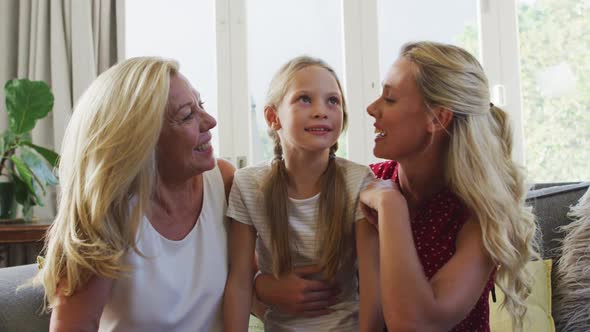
(20, 307)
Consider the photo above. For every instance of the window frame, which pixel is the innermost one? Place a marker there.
(500, 59)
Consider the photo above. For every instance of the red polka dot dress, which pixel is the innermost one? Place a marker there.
(435, 228)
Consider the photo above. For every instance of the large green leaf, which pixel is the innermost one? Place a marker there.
(8, 139)
(49, 155)
(24, 198)
(26, 176)
(21, 191)
(26, 102)
(39, 167)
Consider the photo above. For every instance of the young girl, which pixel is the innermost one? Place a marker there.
(450, 211)
(300, 208)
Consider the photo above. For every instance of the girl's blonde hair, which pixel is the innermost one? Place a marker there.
(107, 159)
(479, 168)
(335, 217)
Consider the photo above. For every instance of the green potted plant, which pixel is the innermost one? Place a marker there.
(26, 169)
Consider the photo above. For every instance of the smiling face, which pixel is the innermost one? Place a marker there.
(403, 123)
(184, 146)
(310, 115)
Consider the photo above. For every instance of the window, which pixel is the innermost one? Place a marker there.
(555, 62)
(451, 22)
(277, 32)
(184, 32)
(230, 49)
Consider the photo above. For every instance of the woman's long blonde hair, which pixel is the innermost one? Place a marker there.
(335, 217)
(107, 158)
(480, 168)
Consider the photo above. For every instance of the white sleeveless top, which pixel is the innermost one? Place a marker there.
(178, 285)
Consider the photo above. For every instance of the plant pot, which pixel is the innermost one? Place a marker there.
(7, 201)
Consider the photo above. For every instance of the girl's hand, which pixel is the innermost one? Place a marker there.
(296, 294)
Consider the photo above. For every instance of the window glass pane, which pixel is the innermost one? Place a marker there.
(185, 32)
(453, 22)
(279, 31)
(555, 62)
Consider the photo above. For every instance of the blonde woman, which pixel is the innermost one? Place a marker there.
(141, 209)
(299, 210)
(449, 215)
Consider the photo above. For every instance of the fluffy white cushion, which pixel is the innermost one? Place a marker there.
(572, 291)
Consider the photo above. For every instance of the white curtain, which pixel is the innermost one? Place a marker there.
(65, 43)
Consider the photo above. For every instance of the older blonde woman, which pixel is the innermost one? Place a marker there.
(139, 242)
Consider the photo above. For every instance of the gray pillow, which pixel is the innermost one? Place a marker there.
(21, 308)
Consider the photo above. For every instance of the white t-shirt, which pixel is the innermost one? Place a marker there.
(246, 205)
(178, 285)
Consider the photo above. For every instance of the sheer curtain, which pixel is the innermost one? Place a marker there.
(65, 43)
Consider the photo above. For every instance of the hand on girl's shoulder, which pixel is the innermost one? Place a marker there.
(380, 193)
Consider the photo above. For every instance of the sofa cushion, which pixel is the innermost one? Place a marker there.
(550, 206)
(20, 308)
(572, 292)
(538, 317)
